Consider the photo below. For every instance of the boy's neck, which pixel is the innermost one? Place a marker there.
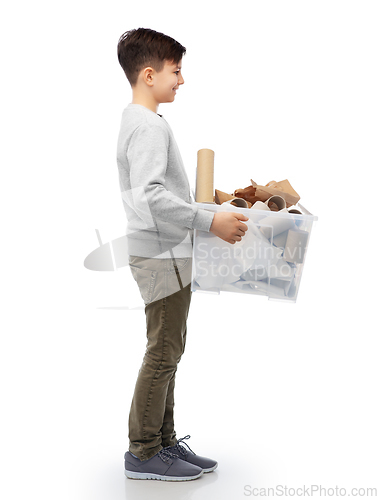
(145, 100)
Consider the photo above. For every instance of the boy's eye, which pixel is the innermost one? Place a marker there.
(177, 72)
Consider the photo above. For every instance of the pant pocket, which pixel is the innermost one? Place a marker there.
(146, 281)
(178, 263)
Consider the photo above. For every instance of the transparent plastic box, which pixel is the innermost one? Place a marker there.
(268, 261)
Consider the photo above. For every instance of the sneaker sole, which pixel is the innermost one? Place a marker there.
(148, 475)
(211, 469)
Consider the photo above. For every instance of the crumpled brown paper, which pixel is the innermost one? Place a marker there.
(220, 197)
(256, 192)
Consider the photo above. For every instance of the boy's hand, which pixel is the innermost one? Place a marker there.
(228, 226)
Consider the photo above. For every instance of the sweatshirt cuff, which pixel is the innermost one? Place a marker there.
(203, 220)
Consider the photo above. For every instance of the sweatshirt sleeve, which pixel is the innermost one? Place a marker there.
(147, 154)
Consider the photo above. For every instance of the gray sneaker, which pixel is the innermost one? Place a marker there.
(206, 464)
(165, 466)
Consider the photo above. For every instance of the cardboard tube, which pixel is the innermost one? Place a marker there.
(205, 176)
(276, 201)
(238, 202)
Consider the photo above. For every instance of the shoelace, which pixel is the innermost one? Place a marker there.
(180, 447)
(166, 455)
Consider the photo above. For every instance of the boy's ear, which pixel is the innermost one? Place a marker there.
(148, 75)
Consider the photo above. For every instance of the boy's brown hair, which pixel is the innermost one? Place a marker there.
(144, 47)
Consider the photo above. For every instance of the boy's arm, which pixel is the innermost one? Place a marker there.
(148, 157)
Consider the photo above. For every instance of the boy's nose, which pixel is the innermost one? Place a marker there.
(181, 80)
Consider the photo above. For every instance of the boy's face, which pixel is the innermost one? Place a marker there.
(167, 82)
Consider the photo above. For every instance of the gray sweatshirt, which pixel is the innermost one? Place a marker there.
(155, 189)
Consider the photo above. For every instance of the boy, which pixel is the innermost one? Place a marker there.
(161, 218)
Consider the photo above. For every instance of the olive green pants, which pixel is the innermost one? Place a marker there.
(165, 287)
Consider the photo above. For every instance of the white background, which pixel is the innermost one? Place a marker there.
(279, 394)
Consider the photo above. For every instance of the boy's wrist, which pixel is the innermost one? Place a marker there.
(203, 220)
